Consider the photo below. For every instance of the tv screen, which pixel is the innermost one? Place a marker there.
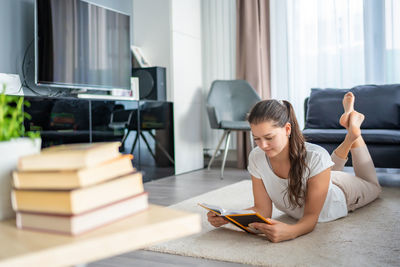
(81, 45)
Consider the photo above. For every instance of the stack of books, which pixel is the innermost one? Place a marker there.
(72, 189)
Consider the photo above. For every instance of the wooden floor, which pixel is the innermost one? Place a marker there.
(175, 189)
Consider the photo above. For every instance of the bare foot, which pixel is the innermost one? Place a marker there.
(355, 121)
(348, 105)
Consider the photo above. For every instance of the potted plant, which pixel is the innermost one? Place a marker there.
(14, 143)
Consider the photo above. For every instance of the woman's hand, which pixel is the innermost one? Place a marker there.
(216, 220)
(275, 232)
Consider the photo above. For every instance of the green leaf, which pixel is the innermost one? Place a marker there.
(12, 117)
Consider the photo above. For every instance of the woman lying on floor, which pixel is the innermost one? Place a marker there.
(300, 178)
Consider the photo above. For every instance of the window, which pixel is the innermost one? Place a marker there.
(332, 44)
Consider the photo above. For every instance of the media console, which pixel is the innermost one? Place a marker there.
(145, 127)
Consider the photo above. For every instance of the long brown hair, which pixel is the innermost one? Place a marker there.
(280, 113)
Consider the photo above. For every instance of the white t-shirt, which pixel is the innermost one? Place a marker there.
(318, 160)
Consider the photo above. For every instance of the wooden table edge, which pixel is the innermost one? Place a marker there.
(104, 242)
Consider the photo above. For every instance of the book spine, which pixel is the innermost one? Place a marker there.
(78, 200)
(65, 180)
(82, 223)
(37, 162)
(52, 201)
(82, 213)
(70, 233)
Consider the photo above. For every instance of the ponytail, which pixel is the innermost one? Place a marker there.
(297, 158)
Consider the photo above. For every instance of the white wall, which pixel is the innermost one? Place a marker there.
(152, 32)
(169, 32)
(187, 82)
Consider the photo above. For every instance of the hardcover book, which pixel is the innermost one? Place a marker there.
(70, 157)
(84, 222)
(70, 179)
(239, 218)
(79, 200)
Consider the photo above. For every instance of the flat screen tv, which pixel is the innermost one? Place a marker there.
(81, 45)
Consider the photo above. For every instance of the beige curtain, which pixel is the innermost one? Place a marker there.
(252, 57)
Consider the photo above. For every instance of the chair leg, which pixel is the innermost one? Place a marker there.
(216, 150)
(225, 153)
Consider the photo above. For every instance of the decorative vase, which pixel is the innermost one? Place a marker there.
(10, 152)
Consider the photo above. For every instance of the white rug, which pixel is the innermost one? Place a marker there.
(369, 236)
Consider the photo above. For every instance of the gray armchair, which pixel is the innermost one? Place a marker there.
(228, 103)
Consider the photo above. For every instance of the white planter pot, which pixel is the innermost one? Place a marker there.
(10, 151)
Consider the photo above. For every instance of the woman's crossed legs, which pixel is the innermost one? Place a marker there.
(364, 187)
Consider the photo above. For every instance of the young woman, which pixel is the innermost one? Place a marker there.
(300, 178)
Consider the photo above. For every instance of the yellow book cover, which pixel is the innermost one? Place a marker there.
(70, 179)
(78, 200)
(70, 156)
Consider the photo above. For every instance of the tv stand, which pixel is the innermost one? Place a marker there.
(144, 126)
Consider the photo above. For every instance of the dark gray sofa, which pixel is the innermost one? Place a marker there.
(381, 128)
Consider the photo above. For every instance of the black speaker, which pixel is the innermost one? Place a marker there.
(152, 83)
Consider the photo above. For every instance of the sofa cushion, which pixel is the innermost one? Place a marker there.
(371, 136)
(379, 103)
(325, 108)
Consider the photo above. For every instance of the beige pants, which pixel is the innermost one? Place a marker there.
(362, 188)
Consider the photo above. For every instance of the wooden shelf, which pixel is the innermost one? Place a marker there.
(157, 224)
